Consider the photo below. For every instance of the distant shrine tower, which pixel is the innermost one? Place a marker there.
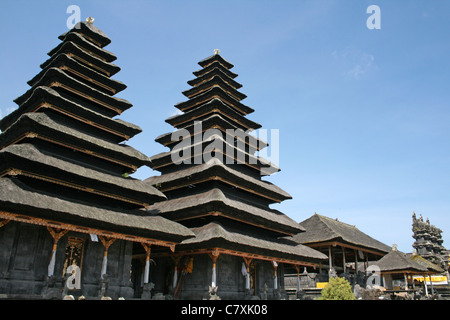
(428, 241)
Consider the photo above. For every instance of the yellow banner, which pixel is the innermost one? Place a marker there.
(433, 278)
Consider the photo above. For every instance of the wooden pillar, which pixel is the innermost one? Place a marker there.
(247, 277)
(214, 255)
(356, 261)
(425, 284)
(106, 243)
(343, 258)
(406, 281)
(275, 278)
(147, 248)
(431, 284)
(176, 259)
(330, 262)
(297, 268)
(56, 235)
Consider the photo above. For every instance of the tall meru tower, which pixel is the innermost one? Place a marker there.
(70, 218)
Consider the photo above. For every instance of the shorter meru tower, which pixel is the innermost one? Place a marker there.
(212, 178)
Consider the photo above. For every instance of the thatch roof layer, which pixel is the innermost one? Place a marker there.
(29, 158)
(45, 126)
(91, 32)
(91, 48)
(396, 261)
(213, 168)
(323, 229)
(15, 197)
(215, 200)
(217, 235)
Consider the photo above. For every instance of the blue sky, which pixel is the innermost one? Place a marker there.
(363, 115)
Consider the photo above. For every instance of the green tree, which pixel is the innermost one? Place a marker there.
(337, 289)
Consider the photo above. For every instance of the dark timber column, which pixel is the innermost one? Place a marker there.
(56, 235)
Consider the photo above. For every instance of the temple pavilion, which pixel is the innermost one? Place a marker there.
(348, 249)
(213, 182)
(70, 217)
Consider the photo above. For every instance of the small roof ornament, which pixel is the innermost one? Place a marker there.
(216, 51)
(90, 20)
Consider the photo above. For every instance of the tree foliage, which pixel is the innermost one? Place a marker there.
(337, 289)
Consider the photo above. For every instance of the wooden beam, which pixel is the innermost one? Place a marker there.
(70, 227)
(342, 244)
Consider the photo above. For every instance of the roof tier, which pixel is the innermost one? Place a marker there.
(74, 89)
(212, 146)
(50, 129)
(322, 230)
(82, 73)
(234, 241)
(28, 160)
(87, 46)
(90, 32)
(45, 99)
(216, 170)
(20, 202)
(214, 121)
(216, 202)
(210, 94)
(212, 107)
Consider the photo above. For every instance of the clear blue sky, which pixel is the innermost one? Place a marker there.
(364, 115)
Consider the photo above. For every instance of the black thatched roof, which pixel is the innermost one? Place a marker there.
(323, 229)
(46, 127)
(215, 57)
(216, 71)
(238, 156)
(54, 74)
(217, 235)
(15, 197)
(84, 57)
(216, 168)
(214, 65)
(91, 32)
(29, 158)
(214, 81)
(214, 121)
(98, 80)
(121, 129)
(214, 92)
(396, 261)
(215, 200)
(215, 106)
(89, 47)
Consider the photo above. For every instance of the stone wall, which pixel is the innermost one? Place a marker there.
(25, 254)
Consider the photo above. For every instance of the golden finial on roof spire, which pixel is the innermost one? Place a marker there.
(90, 20)
(216, 51)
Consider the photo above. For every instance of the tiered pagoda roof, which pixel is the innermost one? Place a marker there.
(223, 199)
(63, 160)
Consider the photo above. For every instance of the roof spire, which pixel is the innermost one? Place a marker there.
(90, 20)
(216, 51)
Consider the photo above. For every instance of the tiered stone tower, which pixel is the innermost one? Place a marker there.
(428, 241)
